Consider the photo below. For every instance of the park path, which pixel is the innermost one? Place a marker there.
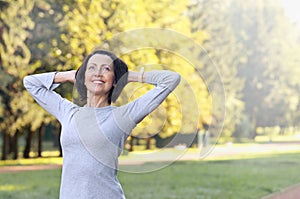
(292, 192)
(7, 169)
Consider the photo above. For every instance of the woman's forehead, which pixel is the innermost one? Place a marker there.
(100, 59)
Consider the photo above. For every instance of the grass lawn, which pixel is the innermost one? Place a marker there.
(30, 184)
(245, 178)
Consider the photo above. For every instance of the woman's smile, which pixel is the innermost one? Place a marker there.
(98, 82)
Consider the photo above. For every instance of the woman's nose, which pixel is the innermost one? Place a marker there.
(99, 71)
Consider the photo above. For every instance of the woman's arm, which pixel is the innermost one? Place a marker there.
(157, 77)
(134, 112)
(65, 76)
(136, 76)
(41, 87)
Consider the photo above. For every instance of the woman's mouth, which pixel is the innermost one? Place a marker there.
(98, 82)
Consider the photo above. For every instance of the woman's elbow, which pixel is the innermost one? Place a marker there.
(175, 80)
(27, 82)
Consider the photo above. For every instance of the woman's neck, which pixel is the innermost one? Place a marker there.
(97, 101)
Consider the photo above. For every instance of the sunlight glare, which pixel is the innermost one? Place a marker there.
(292, 11)
(12, 187)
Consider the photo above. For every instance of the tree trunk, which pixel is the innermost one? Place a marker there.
(148, 143)
(5, 146)
(131, 144)
(28, 145)
(15, 147)
(254, 123)
(10, 144)
(58, 141)
(59, 146)
(40, 139)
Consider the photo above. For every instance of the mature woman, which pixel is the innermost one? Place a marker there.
(93, 135)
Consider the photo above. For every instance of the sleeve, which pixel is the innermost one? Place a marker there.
(40, 87)
(129, 115)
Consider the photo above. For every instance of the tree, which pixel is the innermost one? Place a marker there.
(268, 41)
(26, 28)
(45, 37)
(15, 57)
(210, 21)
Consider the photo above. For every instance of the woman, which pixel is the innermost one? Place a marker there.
(93, 136)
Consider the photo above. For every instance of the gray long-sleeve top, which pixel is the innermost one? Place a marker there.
(92, 138)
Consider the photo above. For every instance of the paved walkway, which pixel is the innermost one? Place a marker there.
(212, 153)
(7, 169)
(292, 192)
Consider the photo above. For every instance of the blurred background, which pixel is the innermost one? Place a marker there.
(255, 46)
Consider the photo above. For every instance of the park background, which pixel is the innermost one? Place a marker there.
(253, 44)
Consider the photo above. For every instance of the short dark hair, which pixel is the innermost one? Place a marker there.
(120, 71)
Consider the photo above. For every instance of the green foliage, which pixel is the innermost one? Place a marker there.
(15, 58)
(253, 46)
(210, 18)
(270, 43)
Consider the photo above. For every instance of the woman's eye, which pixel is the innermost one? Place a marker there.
(91, 68)
(106, 67)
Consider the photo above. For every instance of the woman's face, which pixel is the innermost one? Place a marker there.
(99, 75)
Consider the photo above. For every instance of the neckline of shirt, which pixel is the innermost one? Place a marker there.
(99, 108)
